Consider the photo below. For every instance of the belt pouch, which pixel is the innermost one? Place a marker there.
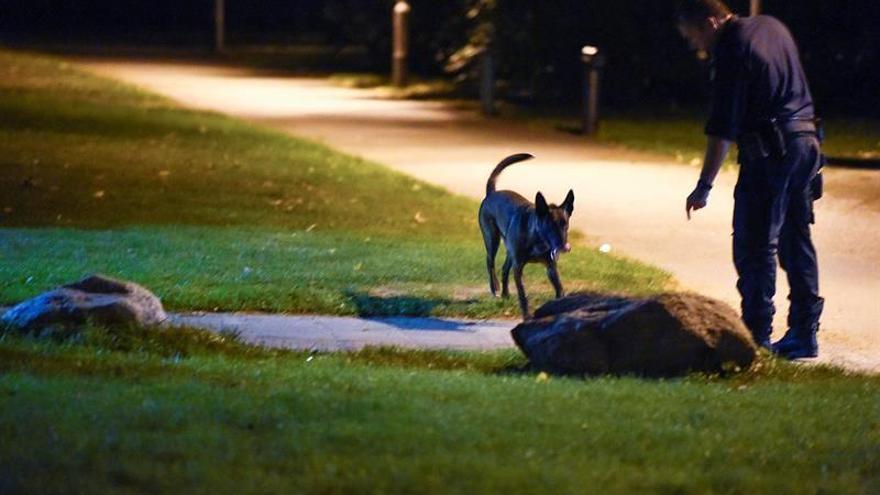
(774, 139)
(817, 185)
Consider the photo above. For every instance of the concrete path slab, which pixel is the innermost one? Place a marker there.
(329, 333)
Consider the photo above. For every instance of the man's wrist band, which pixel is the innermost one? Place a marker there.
(701, 184)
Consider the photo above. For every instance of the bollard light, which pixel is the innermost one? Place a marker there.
(588, 52)
(400, 48)
(593, 61)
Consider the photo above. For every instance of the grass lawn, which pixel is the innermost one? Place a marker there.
(143, 411)
(679, 134)
(212, 213)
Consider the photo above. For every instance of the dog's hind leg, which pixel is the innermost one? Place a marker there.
(492, 239)
(505, 276)
(521, 290)
(553, 275)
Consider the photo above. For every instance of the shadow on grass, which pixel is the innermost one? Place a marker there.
(854, 163)
(573, 129)
(376, 305)
(369, 305)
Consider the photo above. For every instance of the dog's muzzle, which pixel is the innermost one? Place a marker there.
(554, 253)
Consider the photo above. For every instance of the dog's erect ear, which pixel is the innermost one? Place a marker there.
(541, 207)
(568, 204)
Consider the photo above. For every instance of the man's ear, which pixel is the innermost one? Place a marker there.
(568, 204)
(541, 207)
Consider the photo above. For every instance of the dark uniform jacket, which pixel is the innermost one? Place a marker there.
(756, 75)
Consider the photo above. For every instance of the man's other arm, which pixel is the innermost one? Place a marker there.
(716, 151)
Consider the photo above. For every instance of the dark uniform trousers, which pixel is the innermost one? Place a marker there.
(772, 214)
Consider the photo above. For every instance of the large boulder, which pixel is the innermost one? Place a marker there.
(668, 335)
(95, 298)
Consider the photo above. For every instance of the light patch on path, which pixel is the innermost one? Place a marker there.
(633, 202)
(338, 333)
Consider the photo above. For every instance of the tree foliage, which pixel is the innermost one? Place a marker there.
(536, 43)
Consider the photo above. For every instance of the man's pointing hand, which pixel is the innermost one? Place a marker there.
(698, 198)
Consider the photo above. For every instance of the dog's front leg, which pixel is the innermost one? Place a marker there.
(553, 275)
(521, 290)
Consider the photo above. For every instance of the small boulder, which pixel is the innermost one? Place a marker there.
(667, 335)
(96, 298)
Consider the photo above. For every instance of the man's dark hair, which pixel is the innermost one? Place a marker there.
(695, 11)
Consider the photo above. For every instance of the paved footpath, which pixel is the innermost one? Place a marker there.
(336, 333)
(633, 202)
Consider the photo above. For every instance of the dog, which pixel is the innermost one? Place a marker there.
(532, 233)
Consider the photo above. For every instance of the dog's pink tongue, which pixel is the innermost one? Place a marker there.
(566, 248)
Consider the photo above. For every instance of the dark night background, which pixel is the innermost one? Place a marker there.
(537, 41)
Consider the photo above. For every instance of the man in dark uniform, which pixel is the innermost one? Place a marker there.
(760, 99)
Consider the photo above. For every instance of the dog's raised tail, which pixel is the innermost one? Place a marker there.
(510, 160)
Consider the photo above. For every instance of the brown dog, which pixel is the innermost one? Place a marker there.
(532, 233)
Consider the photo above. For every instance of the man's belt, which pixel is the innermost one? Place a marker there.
(769, 139)
(797, 126)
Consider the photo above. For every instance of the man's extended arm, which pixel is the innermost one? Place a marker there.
(716, 152)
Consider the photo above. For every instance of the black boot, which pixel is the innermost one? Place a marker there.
(798, 343)
(760, 328)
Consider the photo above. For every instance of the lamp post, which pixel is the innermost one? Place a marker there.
(593, 63)
(219, 25)
(487, 82)
(755, 7)
(400, 49)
